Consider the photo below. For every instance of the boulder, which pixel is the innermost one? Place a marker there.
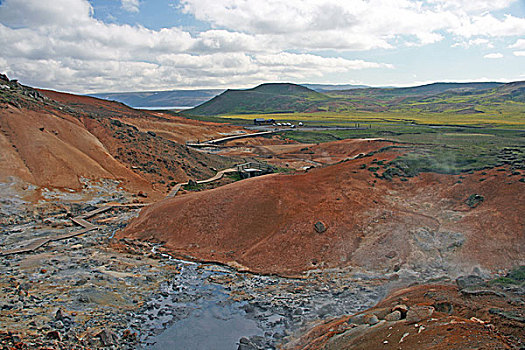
(107, 337)
(401, 308)
(474, 200)
(419, 313)
(469, 281)
(319, 227)
(246, 344)
(393, 316)
(55, 335)
(444, 307)
(370, 319)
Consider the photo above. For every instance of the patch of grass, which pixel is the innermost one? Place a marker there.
(234, 176)
(283, 170)
(193, 187)
(514, 277)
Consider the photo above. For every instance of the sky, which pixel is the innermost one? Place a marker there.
(83, 46)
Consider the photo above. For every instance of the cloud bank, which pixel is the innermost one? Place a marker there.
(60, 44)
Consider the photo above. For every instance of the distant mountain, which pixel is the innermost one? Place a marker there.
(265, 98)
(428, 89)
(331, 87)
(158, 99)
(463, 98)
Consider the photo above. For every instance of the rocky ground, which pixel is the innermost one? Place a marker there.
(94, 291)
(472, 314)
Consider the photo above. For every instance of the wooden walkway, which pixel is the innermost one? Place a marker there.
(87, 226)
(216, 177)
(79, 220)
(212, 143)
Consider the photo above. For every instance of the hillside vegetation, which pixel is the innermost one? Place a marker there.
(439, 103)
(265, 98)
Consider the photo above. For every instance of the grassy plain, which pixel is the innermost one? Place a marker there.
(512, 116)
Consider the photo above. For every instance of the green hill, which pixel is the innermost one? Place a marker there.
(457, 98)
(265, 98)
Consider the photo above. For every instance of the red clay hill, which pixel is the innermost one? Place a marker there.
(267, 224)
(54, 140)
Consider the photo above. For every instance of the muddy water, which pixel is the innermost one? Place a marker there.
(213, 307)
(211, 319)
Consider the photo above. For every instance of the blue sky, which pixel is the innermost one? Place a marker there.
(134, 45)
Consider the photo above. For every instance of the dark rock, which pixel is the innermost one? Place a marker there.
(107, 337)
(510, 315)
(246, 344)
(319, 227)
(474, 200)
(55, 335)
(401, 308)
(445, 307)
(469, 281)
(59, 315)
(391, 254)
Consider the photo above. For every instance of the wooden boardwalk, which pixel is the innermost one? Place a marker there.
(79, 220)
(212, 143)
(216, 177)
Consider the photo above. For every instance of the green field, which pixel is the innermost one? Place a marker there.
(444, 128)
(512, 116)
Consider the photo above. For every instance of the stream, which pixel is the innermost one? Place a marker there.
(208, 306)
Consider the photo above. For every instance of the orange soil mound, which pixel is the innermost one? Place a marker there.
(266, 224)
(55, 143)
(55, 150)
(298, 155)
(459, 322)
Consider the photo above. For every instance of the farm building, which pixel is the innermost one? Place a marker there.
(262, 121)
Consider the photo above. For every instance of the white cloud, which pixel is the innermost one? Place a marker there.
(475, 42)
(519, 53)
(33, 13)
(59, 44)
(477, 6)
(91, 55)
(489, 26)
(494, 55)
(519, 44)
(322, 24)
(130, 5)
